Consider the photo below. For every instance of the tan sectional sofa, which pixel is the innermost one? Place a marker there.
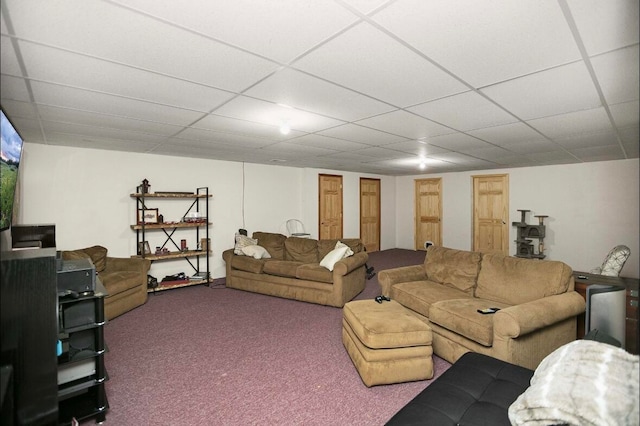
(537, 301)
(294, 270)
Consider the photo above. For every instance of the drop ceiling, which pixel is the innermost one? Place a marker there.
(394, 87)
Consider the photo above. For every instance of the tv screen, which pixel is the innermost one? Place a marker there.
(11, 150)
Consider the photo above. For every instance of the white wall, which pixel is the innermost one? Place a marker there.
(85, 193)
(592, 207)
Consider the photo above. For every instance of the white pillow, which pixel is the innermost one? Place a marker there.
(257, 252)
(332, 257)
(581, 383)
(349, 252)
(243, 241)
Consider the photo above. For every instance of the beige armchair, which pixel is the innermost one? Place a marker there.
(124, 278)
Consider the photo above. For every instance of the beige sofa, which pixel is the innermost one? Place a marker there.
(294, 272)
(537, 301)
(125, 279)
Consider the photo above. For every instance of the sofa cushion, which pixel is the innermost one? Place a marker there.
(453, 268)
(281, 268)
(314, 272)
(248, 264)
(97, 254)
(274, 243)
(117, 282)
(303, 250)
(581, 383)
(461, 316)
(514, 281)
(420, 295)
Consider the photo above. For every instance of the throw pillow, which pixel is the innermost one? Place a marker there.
(241, 242)
(257, 252)
(349, 252)
(332, 257)
(581, 383)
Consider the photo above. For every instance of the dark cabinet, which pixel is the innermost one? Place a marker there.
(81, 370)
(28, 337)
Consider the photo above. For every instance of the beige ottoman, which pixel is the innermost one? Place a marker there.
(386, 342)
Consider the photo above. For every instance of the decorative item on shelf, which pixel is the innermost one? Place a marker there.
(144, 248)
(148, 216)
(205, 243)
(193, 217)
(145, 186)
(183, 245)
(160, 218)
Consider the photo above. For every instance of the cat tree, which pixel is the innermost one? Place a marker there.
(524, 243)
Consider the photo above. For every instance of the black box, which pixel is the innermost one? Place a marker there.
(78, 275)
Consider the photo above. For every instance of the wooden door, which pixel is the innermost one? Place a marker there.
(370, 213)
(491, 214)
(330, 205)
(428, 214)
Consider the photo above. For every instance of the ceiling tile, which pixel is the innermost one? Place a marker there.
(235, 125)
(605, 25)
(508, 134)
(299, 90)
(405, 124)
(553, 157)
(532, 147)
(58, 66)
(626, 114)
(14, 88)
(457, 142)
(290, 150)
(275, 115)
(589, 140)
(222, 138)
(262, 27)
(361, 134)
(618, 74)
(555, 91)
(320, 141)
(465, 111)
(562, 125)
(379, 152)
(8, 57)
(376, 65)
(102, 29)
(485, 42)
(419, 148)
(85, 118)
(67, 97)
(599, 153)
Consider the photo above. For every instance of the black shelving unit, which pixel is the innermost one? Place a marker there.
(170, 248)
(81, 370)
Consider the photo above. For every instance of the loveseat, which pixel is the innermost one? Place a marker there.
(125, 279)
(293, 270)
(536, 300)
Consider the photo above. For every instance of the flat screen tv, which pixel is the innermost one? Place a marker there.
(11, 150)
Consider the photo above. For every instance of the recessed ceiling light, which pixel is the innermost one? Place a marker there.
(285, 128)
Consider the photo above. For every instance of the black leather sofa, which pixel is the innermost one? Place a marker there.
(476, 390)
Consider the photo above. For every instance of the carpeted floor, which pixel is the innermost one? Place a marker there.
(217, 356)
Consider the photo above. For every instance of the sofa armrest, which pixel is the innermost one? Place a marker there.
(133, 264)
(518, 320)
(348, 264)
(227, 255)
(389, 277)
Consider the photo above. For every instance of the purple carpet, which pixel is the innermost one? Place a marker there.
(218, 356)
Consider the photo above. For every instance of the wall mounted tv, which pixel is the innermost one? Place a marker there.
(11, 151)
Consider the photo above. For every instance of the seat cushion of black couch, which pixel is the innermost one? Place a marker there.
(476, 390)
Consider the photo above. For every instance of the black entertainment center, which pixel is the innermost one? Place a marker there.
(52, 339)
